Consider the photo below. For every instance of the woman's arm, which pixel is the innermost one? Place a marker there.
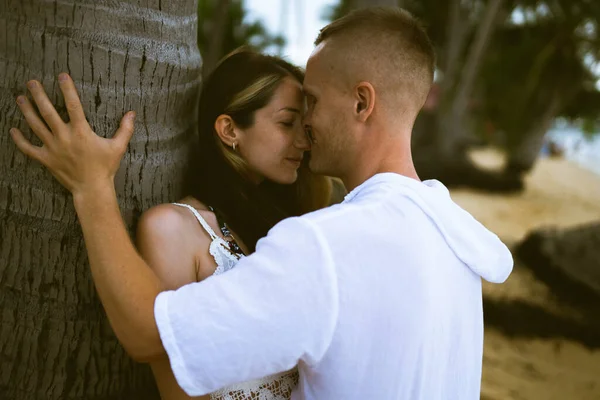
(166, 242)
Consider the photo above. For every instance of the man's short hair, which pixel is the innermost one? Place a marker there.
(390, 47)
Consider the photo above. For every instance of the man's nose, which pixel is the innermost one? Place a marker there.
(306, 119)
(301, 141)
(308, 133)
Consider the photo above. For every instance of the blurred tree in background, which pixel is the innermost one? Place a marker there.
(222, 28)
(506, 70)
(538, 70)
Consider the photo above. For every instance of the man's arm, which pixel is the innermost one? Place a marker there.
(277, 306)
(86, 165)
(127, 286)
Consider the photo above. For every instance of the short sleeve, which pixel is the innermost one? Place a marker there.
(276, 307)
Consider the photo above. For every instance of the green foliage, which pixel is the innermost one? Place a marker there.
(338, 10)
(525, 63)
(237, 32)
(526, 67)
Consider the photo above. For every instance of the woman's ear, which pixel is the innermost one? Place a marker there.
(225, 128)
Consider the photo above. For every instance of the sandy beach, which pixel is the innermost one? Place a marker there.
(559, 194)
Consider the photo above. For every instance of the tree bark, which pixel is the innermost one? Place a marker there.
(55, 341)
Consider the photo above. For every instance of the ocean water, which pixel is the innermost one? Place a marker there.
(582, 149)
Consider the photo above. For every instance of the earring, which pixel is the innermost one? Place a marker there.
(233, 146)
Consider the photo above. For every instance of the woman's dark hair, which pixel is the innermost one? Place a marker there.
(242, 83)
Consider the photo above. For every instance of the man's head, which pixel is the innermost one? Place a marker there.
(367, 79)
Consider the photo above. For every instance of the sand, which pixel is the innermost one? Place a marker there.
(558, 194)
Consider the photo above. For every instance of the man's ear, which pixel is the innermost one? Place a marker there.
(225, 128)
(364, 100)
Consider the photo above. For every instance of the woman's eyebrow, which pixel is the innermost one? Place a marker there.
(289, 109)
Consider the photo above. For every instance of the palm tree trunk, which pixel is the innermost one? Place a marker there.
(55, 341)
(469, 75)
(522, 158)
(456, 32)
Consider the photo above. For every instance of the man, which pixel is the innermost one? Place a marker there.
(376, 298)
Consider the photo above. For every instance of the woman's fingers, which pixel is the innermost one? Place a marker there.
(35, 152)
(72, 101)
(45, 107)
(33, 120)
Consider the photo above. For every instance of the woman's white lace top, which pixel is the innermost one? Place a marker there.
(274, 387)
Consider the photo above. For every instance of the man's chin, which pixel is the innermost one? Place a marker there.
(319, 169)
(313, 166)
(319, 166)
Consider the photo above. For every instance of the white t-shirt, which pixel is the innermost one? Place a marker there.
(375, 298)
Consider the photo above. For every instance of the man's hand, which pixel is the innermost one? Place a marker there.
(86, 164)
(74, 154)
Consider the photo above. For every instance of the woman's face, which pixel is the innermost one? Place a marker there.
(275, 144)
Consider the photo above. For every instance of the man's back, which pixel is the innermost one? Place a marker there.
(376, 298)
(410, 323)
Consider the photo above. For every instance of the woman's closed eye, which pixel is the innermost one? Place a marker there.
(289, 123)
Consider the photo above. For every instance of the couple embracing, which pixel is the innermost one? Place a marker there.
(252, 287)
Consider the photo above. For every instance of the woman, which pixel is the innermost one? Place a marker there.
(249, 171)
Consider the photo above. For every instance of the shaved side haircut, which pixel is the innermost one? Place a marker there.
(387, 47)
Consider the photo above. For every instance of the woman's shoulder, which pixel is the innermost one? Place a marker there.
(171, 218)
(202, 209)
(169, 234)
(163, 217)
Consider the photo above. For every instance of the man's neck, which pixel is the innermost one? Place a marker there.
(352, 182)
(393, 157)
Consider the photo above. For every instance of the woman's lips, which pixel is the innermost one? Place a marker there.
(296, 161)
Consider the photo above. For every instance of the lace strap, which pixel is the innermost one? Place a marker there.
(204, 224)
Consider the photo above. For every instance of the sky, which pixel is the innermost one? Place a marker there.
(298, 21)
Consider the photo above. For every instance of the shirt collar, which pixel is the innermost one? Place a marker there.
(379, 178)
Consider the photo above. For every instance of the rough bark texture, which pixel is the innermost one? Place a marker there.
(55, 342)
